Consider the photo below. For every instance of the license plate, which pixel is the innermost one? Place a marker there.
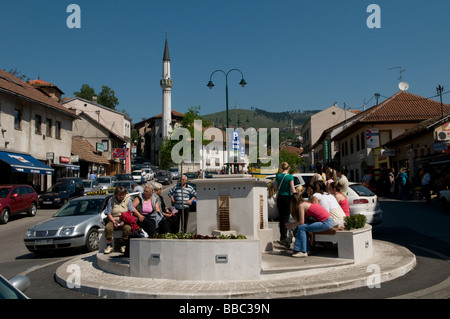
(47, 203)
(43, 242)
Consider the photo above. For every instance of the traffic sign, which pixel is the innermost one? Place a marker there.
(119, 153)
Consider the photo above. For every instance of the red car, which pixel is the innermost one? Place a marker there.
(16, 199)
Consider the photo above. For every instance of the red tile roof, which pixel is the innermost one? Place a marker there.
(404, 107)
(13, 85)
(84, 149)
(39, 83)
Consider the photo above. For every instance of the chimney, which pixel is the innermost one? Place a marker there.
(94, 98)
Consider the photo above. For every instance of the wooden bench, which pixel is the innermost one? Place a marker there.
(353, 244)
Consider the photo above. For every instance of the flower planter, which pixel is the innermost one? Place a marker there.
(195, 259)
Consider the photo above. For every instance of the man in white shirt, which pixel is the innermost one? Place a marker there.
(342, 180)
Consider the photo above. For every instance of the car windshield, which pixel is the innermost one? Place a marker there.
(4, 191)
(361, 190)
(173, 169)
(161, 174)
(7, 291)
(88, 206)
(104, 180)
(60, 188)
(124, 177)
(87, 183)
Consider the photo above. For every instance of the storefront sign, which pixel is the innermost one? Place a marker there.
(64, 159)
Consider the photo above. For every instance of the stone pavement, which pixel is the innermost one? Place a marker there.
(282, 276)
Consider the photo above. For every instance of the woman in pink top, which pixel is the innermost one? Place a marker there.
(300, 209)
(335, 190)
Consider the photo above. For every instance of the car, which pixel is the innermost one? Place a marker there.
(137, 175)
(124, 177)
(444, 196)
(14, 288)
(60, 193)
(150, 173)
(89, 185)
(174, 172)
(191, 175)
(377, 180)
(74, 226)
(163, 177)
(210, 174)
(105, 182)
(365, 202)
(129, 185)
(16, 199)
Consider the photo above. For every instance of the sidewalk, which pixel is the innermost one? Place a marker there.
(281, 276)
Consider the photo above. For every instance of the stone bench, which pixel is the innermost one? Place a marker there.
(353, 244)
(117, 235)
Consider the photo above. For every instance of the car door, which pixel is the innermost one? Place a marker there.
(15, 202)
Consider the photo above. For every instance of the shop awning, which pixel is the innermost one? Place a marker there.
(24, 163)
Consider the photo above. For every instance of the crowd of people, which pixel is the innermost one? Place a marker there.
(318, 206)
(146, 214)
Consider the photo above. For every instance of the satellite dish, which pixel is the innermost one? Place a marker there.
(403, 86)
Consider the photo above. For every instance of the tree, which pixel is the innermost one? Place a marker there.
(107, 98)
(86, 92)
(165, 151)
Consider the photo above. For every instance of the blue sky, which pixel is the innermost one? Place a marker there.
(294, 54)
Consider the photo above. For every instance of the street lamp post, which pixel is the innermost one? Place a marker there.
(211, 85)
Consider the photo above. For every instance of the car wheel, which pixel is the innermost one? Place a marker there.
(33, 210)
(4, 216)
(92, 240)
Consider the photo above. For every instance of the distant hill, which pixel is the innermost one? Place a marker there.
(258, 118)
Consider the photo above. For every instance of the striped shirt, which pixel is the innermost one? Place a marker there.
(182, 195)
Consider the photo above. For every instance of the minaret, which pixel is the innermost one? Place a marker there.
(166, 84)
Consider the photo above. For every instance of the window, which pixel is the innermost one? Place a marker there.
(49, 128)
(105, 145)
(58, 130)
(37, 124)
(17, 119)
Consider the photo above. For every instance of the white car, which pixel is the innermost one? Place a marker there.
(361, 200)
(137, 175)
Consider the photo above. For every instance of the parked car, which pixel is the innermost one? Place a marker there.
(124, 177)
(129, 185)
(444, 196)
(150, 173)
(75, 225)
(191, 175)
(377, 181)
(105, 182)
(89, 185)
(14, 288)
(174, 172)
(163, 177)
(60, 193)
(137, 176)
(16, 199)
(210, 174)
(363, 201)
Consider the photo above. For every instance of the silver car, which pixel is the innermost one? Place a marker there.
(75, 225)
(105, 182)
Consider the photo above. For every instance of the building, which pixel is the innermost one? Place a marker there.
(360, 143)
(35, 130)
(118, 123)
(93, 143)
(316, 125)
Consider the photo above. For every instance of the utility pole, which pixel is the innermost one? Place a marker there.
(377, 95)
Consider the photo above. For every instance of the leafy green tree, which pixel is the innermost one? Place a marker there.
(107, 98)
(86, 92)
(165, 151)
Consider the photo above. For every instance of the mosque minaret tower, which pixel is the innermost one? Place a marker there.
(166, 84)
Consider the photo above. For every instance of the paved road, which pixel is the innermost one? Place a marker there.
(424, 230)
